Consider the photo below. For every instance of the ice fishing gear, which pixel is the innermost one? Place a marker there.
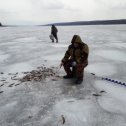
(62, 120)
(112, 80)
(51, 37)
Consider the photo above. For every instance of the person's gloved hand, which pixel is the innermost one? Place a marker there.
(74, 63)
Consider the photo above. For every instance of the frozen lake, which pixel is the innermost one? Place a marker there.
(43, 103)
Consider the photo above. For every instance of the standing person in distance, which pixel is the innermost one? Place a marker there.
(54, 31)
(76, 57)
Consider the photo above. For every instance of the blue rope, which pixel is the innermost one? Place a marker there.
(114, 81)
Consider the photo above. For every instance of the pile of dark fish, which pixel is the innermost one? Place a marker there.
(37, 75)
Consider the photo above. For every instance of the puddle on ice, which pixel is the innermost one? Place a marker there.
(112, 55)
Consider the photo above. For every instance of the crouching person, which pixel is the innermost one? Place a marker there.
(75, 59)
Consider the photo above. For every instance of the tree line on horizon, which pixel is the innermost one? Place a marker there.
(96, 22)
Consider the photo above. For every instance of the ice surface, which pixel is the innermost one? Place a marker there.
(60, 45)
(3, 57)
(20, 67)
(102, 69)
(42, 103)
(112, 55)
(118, 45)
(114, 100)
(75, 111)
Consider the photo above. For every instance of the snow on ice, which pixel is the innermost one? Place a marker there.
(54, 101)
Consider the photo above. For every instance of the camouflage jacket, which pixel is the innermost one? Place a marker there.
(79, 54)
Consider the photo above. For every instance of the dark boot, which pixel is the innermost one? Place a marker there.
(68, 76)
(78, 81)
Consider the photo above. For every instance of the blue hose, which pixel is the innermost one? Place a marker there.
(114, 81)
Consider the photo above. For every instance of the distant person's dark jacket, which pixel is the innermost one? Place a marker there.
(54, 30)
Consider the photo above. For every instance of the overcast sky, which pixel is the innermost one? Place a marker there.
(51, 11)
